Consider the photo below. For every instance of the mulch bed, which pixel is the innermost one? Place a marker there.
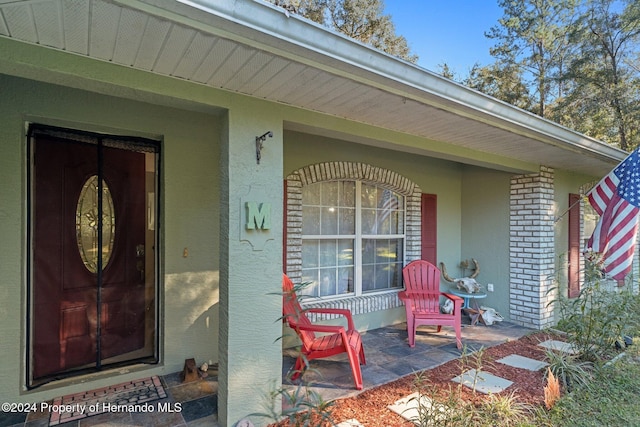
(370, 407)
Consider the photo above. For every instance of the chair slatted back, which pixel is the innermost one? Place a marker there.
(423, 278)
(294, 314)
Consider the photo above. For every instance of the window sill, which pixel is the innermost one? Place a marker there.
(362, 304)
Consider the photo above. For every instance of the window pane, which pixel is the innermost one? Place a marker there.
(328, 256)
(311, 195)
(382, 264)
(345, 252)
(328, 208)
(310, 279)
(368, 251)
(329, 193)
(310, 249)
(347, 221)
(329, 265)
(87, 224)
(329, 222)
(368, 217)
(327, 282)
(388, 209)
(382, 210)
(368, 196)
(348, 193)
(397, 226)
(345, 280)
(368, 274)
(311, 220)
(383, 221)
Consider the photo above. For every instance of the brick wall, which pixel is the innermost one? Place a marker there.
(532, 249)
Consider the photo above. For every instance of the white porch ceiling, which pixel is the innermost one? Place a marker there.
(256, 49)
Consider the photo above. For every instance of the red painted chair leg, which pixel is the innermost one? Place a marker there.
(298, 368)
(355, 368)
(363, 361)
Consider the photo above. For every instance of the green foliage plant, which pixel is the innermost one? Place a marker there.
(473, 360)
(300, 407)
(437, 408)
(598, 317)
(611, 401)
(569, 369)
(501, 410)
(434, 410)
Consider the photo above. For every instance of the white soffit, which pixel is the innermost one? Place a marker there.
(254, 48)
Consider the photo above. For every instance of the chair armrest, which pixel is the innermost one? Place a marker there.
(457, 301)
(452, 297)
(339, 311)
(330, 329)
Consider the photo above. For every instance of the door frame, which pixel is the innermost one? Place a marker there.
(74, 135)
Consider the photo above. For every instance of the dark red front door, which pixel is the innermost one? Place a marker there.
(89, 244)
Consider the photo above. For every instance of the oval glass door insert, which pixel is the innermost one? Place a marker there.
(87, 221)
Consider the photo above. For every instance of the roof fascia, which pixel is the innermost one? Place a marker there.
(273, 29)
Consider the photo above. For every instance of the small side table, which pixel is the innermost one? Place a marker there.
(470, 304)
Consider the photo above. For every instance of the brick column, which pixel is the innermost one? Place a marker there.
(532, 249)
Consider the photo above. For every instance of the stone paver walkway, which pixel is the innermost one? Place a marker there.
(482, 382)
(522, 362)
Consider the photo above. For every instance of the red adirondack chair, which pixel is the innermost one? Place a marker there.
(421, 299)
(339, 340)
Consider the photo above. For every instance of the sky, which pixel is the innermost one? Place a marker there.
(450, 31)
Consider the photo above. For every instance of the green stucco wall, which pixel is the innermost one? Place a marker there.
(473, 208)
(434, 176)
(485, 232)
(251, 264)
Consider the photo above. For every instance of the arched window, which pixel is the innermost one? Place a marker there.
(349, 229)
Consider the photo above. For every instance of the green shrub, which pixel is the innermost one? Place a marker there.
(569, 369)
(501, 410)
(598, 317)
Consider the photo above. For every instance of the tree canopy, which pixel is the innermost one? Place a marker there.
(576, 62)
(362, 20)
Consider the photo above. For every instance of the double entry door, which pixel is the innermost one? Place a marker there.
(92, 245)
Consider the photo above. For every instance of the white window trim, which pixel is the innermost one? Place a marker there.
(332, 171)
(358, 238)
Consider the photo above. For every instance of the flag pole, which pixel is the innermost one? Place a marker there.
(555, 221)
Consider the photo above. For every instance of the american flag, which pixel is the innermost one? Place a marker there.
(616, 198)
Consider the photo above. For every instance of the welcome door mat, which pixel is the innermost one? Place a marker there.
(131, 396)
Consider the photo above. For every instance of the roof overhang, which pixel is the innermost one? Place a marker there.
(256, 49)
